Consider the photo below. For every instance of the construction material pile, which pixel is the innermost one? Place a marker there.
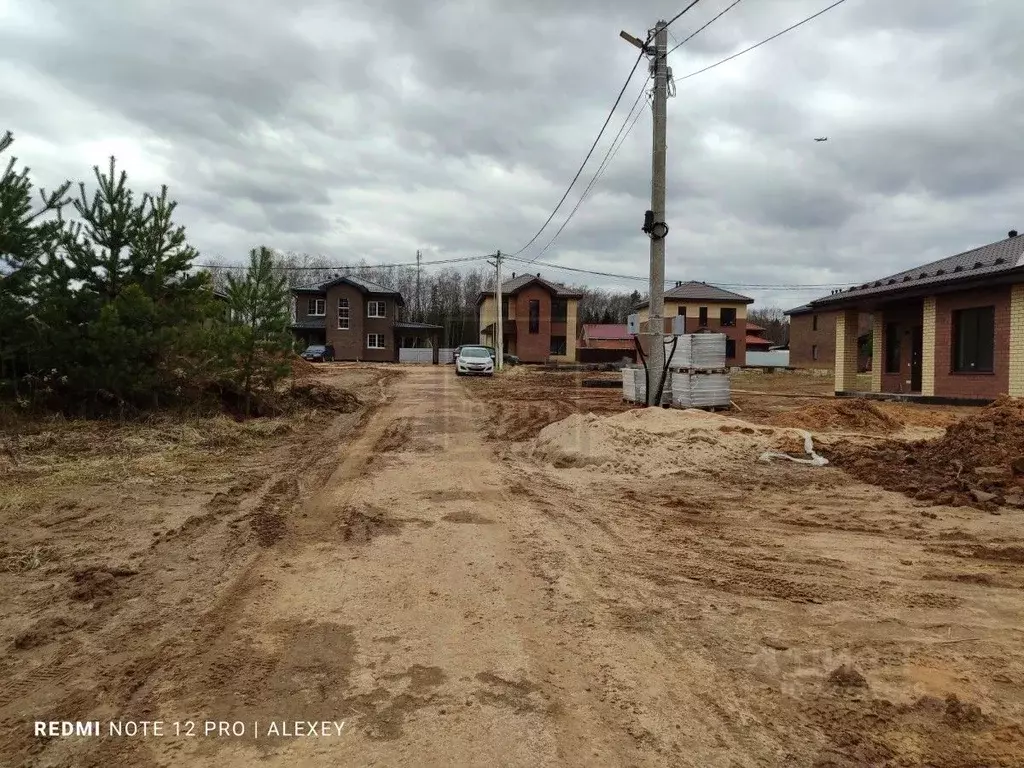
(301, 368)
(979, 462)
(657, 442)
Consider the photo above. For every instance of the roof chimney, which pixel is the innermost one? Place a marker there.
(513, 274)
(1013, 233)
(538, 274)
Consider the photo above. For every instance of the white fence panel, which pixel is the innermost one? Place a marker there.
(776, 359)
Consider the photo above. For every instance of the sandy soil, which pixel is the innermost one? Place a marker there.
(460, 601)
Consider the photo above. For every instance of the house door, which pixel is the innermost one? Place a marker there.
(916, 351)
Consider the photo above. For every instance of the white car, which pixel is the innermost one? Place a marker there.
(474, 361)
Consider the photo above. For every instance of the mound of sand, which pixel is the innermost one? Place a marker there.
(861, 415)
(657, 441)
(979, 462)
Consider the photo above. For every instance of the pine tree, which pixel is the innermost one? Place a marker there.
(27, 238)
(259, 339)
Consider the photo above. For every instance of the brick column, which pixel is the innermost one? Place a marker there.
(846, 351)
(928, 316)
(877, 350)
(1016, 384)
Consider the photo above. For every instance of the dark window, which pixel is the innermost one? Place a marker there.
(504, 308)
(728, 316)
(559, 312)
(703, 319)
(558, 345)
(535, 316)
(974, 340)
(892, 348)
(814, 325)
(814, 351)
(682, 311)
(730, 349)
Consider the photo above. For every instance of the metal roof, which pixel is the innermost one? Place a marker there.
(310, 324)
(517, 283)
(607, 331)
(699, 291)
(994, 259)
(364, 285)
(418, 326)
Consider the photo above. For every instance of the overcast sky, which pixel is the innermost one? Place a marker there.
(368, 130)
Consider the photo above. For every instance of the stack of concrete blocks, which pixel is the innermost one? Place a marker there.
(634, 386)
(700, 378)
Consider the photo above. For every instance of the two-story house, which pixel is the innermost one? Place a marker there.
(538, 319)
(357, 316)
(707, 309)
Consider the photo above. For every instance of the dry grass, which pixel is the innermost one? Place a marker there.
(22, 562)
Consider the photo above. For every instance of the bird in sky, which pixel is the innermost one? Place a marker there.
(822, 138)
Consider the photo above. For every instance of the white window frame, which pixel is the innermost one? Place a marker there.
(379, 337)
(380, 306)
(343, 305)
(313, 308)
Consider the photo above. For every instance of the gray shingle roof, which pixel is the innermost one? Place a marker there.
(697, 291)
(803, 309)
(987, 261)
(313, 324)
(367, 286)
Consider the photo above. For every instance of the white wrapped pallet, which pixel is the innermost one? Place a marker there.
(629, 385)
(682, 357)
(708, 350)
(700, 390)
(638, 392)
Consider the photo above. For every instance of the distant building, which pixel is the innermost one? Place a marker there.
(812, 338)
(538, 319)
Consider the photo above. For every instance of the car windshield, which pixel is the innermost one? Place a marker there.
(316, 348)
(474, 352)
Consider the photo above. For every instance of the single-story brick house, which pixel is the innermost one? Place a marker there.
(950, 330)
(604, 343)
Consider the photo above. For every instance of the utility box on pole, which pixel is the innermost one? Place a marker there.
(633, 324)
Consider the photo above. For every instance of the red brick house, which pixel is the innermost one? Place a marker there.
(538, 319)
(951, 330)
(812, 338)
(359, 318)
(604, 343)
(755, 341)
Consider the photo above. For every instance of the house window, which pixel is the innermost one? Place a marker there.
(504, 308)
(703, 322)
(557, 345)
(559, 312)
(814, 351)
(342, 314)
(534, 316)
(730, 349)
(729, 316)
(375, 341)
(814, 325)
(682, 312)
(375, 309)
(974, 340)
(317, 308)
(892, 348)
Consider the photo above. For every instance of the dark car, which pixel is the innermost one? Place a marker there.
(318, 353)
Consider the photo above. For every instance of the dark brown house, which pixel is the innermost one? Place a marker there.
(952, 329)
(812, 338)
(359, 318)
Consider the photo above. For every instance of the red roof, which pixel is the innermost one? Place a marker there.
(758, 341)
(752, 327)
(606, 331)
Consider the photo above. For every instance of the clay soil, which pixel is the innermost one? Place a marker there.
(421, 569)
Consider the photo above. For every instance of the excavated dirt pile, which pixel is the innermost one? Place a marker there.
(862, 415)
(979, 462)
(302, 368)
(313, 394)
(676, 440)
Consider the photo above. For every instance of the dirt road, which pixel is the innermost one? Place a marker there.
(457, 602)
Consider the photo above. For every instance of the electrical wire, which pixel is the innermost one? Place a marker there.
(330, 268)
(591, 152)
(716, 18)
(676, 18)
(608, 157)
(767, 40)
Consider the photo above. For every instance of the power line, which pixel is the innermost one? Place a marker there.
(716, 18)
(767, 40)
(642, 278)
(608, 157)
(330, 268)
(675, 18)
(591, 152)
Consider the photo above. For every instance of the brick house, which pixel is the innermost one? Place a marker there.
(538, 319)
(604, 343)
(812, 338)
(952, 329)
(360, 318)
(707, 308)
(756, 341)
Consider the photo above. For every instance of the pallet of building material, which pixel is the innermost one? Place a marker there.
(634, 387)
(701, 390)
(705, 351)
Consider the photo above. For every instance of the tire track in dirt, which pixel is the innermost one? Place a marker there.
(134, 688)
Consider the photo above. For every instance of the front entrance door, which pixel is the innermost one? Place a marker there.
(916, 350)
